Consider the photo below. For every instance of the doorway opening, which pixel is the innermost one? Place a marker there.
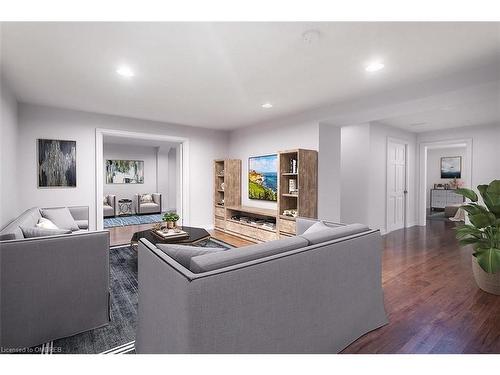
(444, 166)
(140, 176)
(397, 184)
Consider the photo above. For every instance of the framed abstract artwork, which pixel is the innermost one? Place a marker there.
(451, 167)
(56, 163)
(124, 171)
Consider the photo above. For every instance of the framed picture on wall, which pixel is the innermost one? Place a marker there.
(124, 171)
(451, 167)
(56, 163)
(263, 177)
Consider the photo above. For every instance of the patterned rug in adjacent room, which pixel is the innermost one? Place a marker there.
(122, 221)
(119, 336)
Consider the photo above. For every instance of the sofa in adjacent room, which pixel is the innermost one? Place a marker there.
(147, 203)
(312, 293)
(54, 277)
(109, 206)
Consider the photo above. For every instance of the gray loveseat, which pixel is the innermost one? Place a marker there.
(318, 296)
(52, 287)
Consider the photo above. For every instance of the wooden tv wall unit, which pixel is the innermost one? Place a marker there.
(304, 200)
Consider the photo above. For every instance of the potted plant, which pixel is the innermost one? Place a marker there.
(483, 233)
(171, 219)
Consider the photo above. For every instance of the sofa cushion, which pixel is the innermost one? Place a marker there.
(146, 198)
(327, 234)
(28, 218)
(209, 262)
(60, 217)
(7, 236)
(182, 253)
(46, 224)
(82, 224)
(30, 232)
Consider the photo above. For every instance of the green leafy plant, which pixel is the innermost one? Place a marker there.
(170, 217)
(483, 232)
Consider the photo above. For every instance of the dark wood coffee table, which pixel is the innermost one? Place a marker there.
(195, 235)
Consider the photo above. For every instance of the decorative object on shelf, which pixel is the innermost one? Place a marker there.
(263, 177)
(221, 173)
(438, 186)
(291, 213)
(56, 163)
(484, 234)
(456, 183)
(222, 186)
(292, 186)
(157, 226)
(293, 165)
(124, 171)
(171, 219)
(451, 167)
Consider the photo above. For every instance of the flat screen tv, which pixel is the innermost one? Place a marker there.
(263, 177)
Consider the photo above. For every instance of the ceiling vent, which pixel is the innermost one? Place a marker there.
(311, 36)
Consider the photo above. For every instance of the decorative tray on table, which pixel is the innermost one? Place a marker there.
(170, 233)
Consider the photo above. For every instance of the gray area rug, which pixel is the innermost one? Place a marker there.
(117, 337)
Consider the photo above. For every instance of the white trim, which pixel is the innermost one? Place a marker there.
(423, 147)
(182, 193)
(406, 143)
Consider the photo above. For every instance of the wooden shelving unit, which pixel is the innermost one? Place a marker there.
(304, 200)
(302, 166)
(227, 172)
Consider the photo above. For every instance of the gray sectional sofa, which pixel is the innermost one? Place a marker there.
(313, 293)
(53, 286)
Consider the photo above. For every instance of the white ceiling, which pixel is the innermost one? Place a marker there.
(217, 75)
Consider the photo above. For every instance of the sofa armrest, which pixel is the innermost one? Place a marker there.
(64, 279)
(157, 198)
(136, 203)
(112, 202)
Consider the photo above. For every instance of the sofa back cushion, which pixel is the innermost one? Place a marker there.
(318, 234)
(183, 253)
(31, 232)
(209, 262)
(28, 218)
(61, 217)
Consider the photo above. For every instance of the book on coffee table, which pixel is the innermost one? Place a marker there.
(169, 233)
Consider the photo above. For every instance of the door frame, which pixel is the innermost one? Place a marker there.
(406, 143)
(182, 200)
(423, 148)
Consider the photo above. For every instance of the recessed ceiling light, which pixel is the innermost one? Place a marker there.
(267, 105)
(125, 71)
(374, 66)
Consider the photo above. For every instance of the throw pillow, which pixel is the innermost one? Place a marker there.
(182, 254)
(316, 227)
(30, 232)
(46, 224)
(61, 217)
(105, 201)
(146, 198)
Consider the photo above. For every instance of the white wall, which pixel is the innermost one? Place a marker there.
(355, 173)
(434, 166)
(364, 174)
(485, 149)
(329, 172)
(48, 122)
(8, 165)
(113, 151)
(173, 178)
(268, 139)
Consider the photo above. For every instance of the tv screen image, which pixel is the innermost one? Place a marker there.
(263, 177)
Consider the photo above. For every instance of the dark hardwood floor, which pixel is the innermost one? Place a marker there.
(431, 299)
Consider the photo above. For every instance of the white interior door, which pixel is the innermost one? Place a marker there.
(396, 185)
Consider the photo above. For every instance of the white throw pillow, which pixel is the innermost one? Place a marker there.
(146, 198)
(46, 224)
